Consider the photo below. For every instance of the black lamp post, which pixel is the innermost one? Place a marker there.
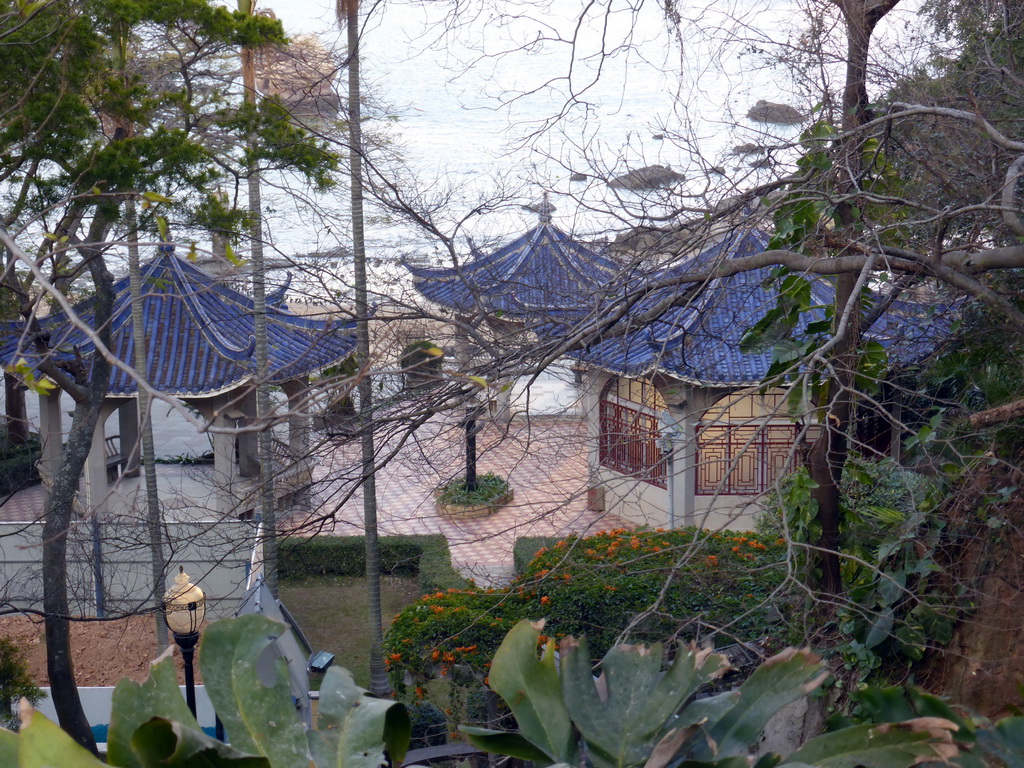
(184, 611)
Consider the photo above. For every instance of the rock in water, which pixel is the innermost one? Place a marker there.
(770, 112)
(649, 177)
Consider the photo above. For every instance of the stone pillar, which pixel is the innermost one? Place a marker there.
(50, 435)
(94, 477)
(128, 427)
(224, 420)
(248, 444)
(684, 462)
(300, 474)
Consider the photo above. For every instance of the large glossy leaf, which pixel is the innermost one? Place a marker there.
(135, 703)
(532, 691)
(8, 747)
(354, 729)
(160, 743)
(258, 715)
(879, 746)
(780, 680)
(45, 745)
(621, 727)
(504, 743)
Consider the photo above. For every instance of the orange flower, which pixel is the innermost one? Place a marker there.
(545, 600)
(712, 560)
(735, 549)
(395, 657)
(435, 655)
(420, 692)
(438, 609)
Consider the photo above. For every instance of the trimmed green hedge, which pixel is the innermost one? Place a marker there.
(427, 556)
(527, 547)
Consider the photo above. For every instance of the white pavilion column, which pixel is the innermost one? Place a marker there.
(128, 427)
(223, 419)
(684, 465)
(95, 488)
(299, 422)
(593, 383)
(248, 451)
(51, 435)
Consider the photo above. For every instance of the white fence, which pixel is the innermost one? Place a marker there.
(110, 564)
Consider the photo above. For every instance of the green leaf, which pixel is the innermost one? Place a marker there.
(45, 745)
(153, 197)
(532, 691)
(135, 703)
(258, 714)
(354, 729)
(782, 679)
(160, 743)
(8, 747)
(621, 727)
(881, 628)
(504, 743)
(161, 226)
(878, 746)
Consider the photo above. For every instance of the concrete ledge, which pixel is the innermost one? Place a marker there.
(471, 511)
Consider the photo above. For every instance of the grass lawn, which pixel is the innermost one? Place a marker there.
(333, 615)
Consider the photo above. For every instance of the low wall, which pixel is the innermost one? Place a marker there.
(97, 705)
(115, 555)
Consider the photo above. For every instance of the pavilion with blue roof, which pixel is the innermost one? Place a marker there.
(678, 386)
(200, 347)
(541, 277)
(685, 436)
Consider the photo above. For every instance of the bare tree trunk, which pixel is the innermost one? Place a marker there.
(349, 11)
(828, 455)
(60, 510)
(154, 519)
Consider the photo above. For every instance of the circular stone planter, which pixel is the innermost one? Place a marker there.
(471, 511)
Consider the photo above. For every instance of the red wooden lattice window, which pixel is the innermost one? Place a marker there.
(742, 460)
(629, 441)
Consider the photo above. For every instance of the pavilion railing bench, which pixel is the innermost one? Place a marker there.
(116, 460)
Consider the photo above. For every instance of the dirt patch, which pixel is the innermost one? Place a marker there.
(102, 651)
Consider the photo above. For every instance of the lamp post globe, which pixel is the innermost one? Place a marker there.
(184, 611)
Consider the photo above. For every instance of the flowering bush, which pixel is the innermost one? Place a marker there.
(718, 582)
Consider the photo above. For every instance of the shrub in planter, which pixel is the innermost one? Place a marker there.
(490, 489)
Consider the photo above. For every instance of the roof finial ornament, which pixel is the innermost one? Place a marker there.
(543, 209)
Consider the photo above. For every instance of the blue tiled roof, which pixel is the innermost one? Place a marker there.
(699, 342)
(200, 335)
(543, 275)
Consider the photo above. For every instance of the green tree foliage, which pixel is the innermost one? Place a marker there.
(15, 682)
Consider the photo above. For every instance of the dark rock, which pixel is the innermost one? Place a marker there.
(649, 177)
(748, 149)
(770, 112)
(578, 177)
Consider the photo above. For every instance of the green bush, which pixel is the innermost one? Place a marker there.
(15, 683)
(527, 547)
(720, 584)
(425, 556)
(489, 489)
(18, 465)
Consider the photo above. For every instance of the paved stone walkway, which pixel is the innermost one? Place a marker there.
(544, 460)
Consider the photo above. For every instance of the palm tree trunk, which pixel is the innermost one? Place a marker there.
(154, 520)
(259, 298)
(348, 10)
